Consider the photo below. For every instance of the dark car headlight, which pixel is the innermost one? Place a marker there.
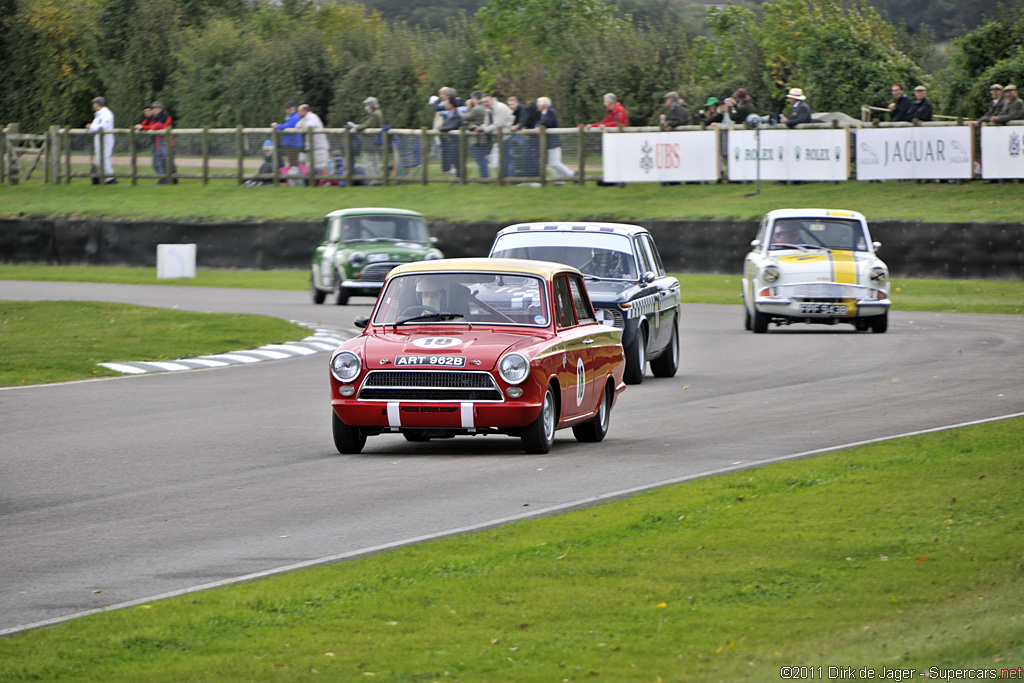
(345, 366)
(356, 259)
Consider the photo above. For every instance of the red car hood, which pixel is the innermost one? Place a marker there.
(482, 344)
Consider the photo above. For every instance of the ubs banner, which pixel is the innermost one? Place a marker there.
(1002, 152)
(660, 157)
(914, 153)
(812, 154)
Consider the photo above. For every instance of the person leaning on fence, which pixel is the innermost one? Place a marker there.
(899, 108)
(921, 107)
(678, 112)
(159, 119)
(103, 144)
(801, 113)
(712, 112)
(291, 143)
(742, 106)
(475, 119)
(309, 121)
(615, 113)
(499, 120)
(373, 152)
(450, 162)
(525, 150)
(1013, 107)
(549, 119)
(995, 108)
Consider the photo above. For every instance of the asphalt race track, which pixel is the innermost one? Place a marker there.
(122, 489)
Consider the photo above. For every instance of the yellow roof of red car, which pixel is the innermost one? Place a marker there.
(544, 269)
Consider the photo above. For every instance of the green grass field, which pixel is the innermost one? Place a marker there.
(817, 562)
(58, 341)
(929, 202)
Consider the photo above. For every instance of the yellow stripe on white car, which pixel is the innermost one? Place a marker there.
(844, 267)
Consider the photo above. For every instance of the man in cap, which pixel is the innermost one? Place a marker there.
(801, 112)
(103, 120)
(995, 107)
(372, 152)
(321, 146)
(291, 143)
(678, 112)
(1013, 106)
(921, 107)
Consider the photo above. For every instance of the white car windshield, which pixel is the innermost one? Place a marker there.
(817, 233)
(599, 254)
(460, 298)
(376, 229)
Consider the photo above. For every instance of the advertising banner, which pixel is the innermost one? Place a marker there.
(798, 154)
(1002, 152)
(919, 153)
(660, 157)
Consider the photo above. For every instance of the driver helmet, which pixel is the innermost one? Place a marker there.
(605, 260)
(431, 291)
(786, 233)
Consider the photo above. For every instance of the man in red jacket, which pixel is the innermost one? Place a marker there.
(158, 120)
(615, 115)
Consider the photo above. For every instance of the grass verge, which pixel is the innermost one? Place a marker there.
(58, 341)
(919, 294)
(930, 202)
(817, 562)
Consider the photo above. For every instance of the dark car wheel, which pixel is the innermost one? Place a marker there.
(880, 323)
(636, 359)
(596, 429)
(667, 363)
(760, 322)
(540, 435)
(318, 295)
(346, 439)
(340, 295)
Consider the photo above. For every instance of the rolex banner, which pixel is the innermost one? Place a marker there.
(918, 153)
(660, 157)
(1002, 152)
(798, 154)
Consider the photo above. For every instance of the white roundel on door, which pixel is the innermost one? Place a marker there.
(437, 342)
(581, 380)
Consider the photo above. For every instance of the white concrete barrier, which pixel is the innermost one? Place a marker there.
(175, 261)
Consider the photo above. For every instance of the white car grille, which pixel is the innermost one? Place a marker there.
(823, 290)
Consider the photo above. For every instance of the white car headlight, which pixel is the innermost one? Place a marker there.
(879, 276)
(513, 368)
(433, 255)
(345, 366)
(605, 317)
(770, 274)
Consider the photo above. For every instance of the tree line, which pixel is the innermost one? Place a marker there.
(224, 63)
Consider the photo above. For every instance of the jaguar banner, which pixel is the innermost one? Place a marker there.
(919, 153)
(798, 154)
(1002, 152)
(660, 157)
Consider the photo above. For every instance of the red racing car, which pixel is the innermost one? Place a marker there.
(478, 346)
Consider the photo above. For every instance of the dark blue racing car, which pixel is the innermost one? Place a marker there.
(625, 278)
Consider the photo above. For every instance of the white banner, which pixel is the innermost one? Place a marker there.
(1002, 152)
(919, 153)
(660, 157)
(798, 154)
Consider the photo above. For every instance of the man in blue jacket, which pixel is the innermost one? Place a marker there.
(291, 143)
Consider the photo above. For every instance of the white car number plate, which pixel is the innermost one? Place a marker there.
(824, 309)
(446, 361)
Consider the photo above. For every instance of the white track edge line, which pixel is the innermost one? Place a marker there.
(480, 526)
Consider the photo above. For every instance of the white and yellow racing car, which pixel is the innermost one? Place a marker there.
(815, 266)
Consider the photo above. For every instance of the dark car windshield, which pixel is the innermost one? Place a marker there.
(376, 228)
(598, 254)
(461, 298)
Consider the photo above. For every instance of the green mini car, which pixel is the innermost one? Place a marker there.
(361, 246)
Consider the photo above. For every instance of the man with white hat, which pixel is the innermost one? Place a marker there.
(1013, 107)
(921, 107)
(801, 112)
(995, 108)
(103, 120)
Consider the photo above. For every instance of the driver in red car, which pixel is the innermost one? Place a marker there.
(432, 293)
